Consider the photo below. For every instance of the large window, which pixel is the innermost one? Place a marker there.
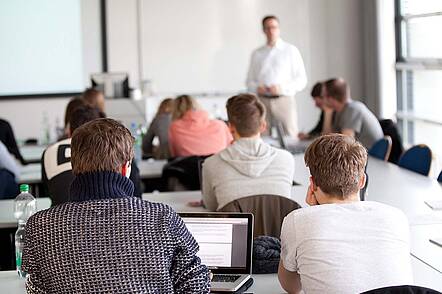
(419, 71)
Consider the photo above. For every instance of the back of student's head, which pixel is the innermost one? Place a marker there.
(246, 113)
(166, 106)
(182, 104)
(72, 105)
(94, 98)
(101, 145)
(318, 90)
(338, 89)
(81, 115)
(337, 163)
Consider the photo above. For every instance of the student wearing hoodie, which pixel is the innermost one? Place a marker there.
(192, 132)
(249, 166)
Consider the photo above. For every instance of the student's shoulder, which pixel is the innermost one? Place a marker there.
(385, 210)
(283, 155)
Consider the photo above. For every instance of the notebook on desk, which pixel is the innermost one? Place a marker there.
(225, 241)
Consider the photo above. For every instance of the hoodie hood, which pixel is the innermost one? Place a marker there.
(249, 156)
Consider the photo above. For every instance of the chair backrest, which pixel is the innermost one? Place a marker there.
(439, 178)
(390, 129)
(417, 158)
(182, 173)
(381, 149)
(403, 289)
(269, 212)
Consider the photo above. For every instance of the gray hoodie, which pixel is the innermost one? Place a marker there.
(248, 167)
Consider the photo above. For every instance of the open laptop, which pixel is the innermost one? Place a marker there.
(225, 241)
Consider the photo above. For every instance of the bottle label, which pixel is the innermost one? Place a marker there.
(18, 259)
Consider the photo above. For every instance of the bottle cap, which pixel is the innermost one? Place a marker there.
(24, 188)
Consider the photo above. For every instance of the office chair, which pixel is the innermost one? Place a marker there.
(381, 149)
(417, 158)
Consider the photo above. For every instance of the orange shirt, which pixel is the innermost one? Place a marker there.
(196, 134)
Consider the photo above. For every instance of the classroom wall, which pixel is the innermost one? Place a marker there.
(328, 35)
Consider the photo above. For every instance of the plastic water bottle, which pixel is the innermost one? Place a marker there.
(24, 207)
(136, 132)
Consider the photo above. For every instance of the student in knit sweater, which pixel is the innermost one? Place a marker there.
(105, 239)
(249, 166)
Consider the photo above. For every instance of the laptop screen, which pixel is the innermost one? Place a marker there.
(224, 241)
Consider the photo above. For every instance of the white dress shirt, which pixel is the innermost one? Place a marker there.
(278, 65)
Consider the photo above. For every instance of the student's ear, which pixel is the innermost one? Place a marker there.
(263, 126)
(362, 181)
(126, 169)
(310, 199)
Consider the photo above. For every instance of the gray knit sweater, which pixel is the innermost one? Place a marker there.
(110, 242)
(248, 167)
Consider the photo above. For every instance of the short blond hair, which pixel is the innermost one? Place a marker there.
(337, 163)
(101, 145)
(183, 104)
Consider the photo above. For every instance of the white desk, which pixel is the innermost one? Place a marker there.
(30, 174)
(7, 219)
(421, 248)
(32, 153)
(151, 168)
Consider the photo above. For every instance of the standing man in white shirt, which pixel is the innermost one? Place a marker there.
(276, 74)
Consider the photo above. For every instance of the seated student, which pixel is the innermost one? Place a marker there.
(341, 244)
(56, 159)
(318, 93)
(106, 240)
(249, 166)
(94, 98)
(8, 139)
(159, 127)
(73, 104)
(351, 118)
(9, 173)
(193, 133)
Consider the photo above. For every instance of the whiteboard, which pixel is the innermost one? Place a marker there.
(204, 46)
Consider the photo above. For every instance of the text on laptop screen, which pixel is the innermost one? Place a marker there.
(222, 241)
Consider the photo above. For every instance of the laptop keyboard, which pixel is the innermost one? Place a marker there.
(225, 278)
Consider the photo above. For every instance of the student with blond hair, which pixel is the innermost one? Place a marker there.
(249, 166)
(192, 132)
(341, 244)
(107, 240)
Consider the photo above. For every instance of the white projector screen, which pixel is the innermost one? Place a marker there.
(41, 48)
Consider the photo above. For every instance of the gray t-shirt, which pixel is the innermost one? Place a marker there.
(357, 117)
(347, 248)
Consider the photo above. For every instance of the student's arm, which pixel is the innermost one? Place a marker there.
(209, 198)
(288, 265)
(348, 132)
(148, 138)
(187, 273)
(171, 142)
(327, 126)
(28, 260)
(290, 281)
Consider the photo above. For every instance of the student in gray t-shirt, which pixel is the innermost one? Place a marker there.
(340, 244)
(352, 118)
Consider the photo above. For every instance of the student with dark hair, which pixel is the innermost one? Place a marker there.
(105, 239)
(249, 166)
(9, 172)
(56, 159)
(94, 98)
(73, 104)
(318, 95)
(8, 139)
(351, 117)
(340, 244)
